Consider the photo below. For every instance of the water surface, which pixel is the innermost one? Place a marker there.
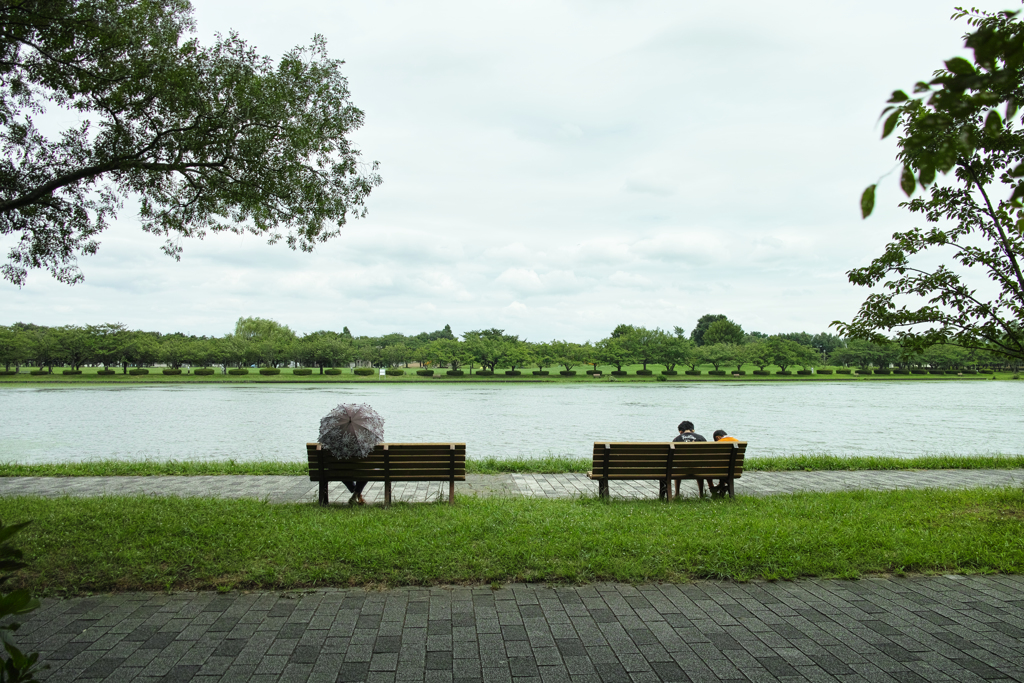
(274, 422)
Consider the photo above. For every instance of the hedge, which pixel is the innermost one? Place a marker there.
(901, 372)
(645, 373)
(238, 371)
(203, 371)
(71, 372)
(739, 372)
(882, 372)
(619, 373)
(302, 371)
(172, 371)
(969, 372)
(761, 373)
(843, 371)
(783, 372)
(716, 373)
(692, 373)
(485, 373)
(8, 372)
(139, 371)
(394, 372)
(670, 373)
(513, 373)
(918, 371)
(544, 373)
(332, 371)
(106, 372)
(425, 373)
(824, 372)
(455, 373)
(363, 372)
(805, 372)
(936, 372)
(567, 373)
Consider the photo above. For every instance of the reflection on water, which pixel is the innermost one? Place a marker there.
(273, 422)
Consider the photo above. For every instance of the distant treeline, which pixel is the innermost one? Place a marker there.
(715, 341)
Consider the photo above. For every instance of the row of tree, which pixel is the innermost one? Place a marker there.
(715, 341)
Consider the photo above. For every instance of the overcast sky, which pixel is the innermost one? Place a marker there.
(557, 168)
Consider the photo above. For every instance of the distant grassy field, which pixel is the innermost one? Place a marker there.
(553, 464)
(77, 545)
(582, 376)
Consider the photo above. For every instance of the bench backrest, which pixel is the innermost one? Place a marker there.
(392, 462)
(695, 459)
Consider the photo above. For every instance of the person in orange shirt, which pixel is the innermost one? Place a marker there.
(720, 435)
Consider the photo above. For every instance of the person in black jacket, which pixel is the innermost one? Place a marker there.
(686, 433)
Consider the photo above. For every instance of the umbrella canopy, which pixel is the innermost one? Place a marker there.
(351, 431)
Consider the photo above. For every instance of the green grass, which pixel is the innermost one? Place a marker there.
(80, 545)
(89, 376)
(550, 464)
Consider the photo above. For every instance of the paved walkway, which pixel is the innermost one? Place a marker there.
(930, 630)
(292, 489)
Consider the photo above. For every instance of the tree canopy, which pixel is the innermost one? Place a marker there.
(205, 138)
(964, 124)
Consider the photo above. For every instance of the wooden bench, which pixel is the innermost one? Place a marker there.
(700, 460)
(391, 462)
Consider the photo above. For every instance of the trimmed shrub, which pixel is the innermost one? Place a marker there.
(394, 372)
(203, 371)
(71, 372)
(918, 371)
(332, 371)
(37, 373)
(139, 371)
(843, 371)
(172, 371)
(455, 373)
(936, 372)
(544, 373)
(985, 372)
(238, 371)
(901, 372)
(661, 378)
(425, 373)
(619, 373)
(8, 372)
(270, 371)
(739, 372)
(362, 372)
(302, 371)
(804, 372)
(864, 372)
(513, 373)
(567, 373)
(761, 373)
(824, 372)
(692, 373)
(883, 371)
(783, 372)
(969, 372)
(106, 372)
(645, 373)
(669, 373)
(485, 373)
(716, 373)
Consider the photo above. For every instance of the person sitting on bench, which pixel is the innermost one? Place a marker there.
(686, 433)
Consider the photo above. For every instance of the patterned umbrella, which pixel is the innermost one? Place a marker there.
(351, 431)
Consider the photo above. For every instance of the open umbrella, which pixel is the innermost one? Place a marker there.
(351, 431)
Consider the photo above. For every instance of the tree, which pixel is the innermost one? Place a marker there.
(786, 353)
(450, 352)
(674, 350)
(518, 354)
(266, 340)
(644, 344)
(77, 346)
(964, 124)
(488, 347)
(542, 355)
(109, 341)
(174, 350)
(723, 332)
(567, 354)
(697, 335)
(13, 347)
(207, 138)
(614, 351)
(718, 354)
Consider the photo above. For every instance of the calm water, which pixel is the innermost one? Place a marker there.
(274, 422)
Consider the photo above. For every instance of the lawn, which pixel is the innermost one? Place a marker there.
(77, 545)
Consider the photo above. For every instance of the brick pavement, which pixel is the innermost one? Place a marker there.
(937, 629)
(297, 489)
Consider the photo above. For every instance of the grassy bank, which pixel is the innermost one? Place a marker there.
(583, 376)
(552, 464)
(143, 543)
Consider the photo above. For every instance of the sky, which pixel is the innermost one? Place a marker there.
(557, 168)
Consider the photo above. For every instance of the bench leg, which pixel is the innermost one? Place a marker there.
(322, 497)
(700, 485)
(662, 486)
(602, 488)
(451, 493)
(387, 494)
(732, 493)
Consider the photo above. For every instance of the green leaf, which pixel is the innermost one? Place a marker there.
(926, 176)
(960, 66)
(993, 123)
(867, 201)
(890, 124)
(1018, 170)
(907, 181)
(899, 96)
(1011, 107)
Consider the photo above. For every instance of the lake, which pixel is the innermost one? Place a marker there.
(274, 422)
